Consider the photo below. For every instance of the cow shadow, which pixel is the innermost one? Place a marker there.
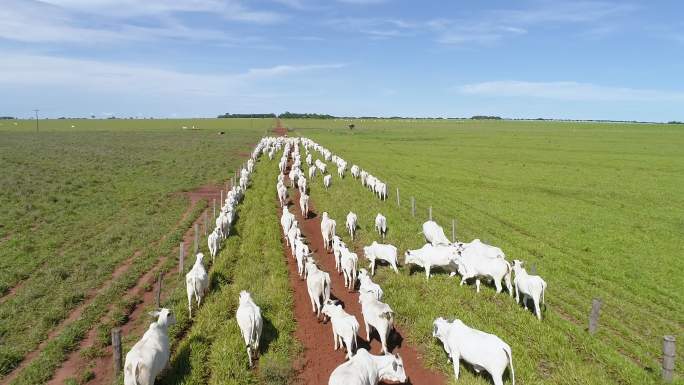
(269, 334)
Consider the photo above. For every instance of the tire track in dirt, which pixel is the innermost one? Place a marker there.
(101, 366)
(319, 359)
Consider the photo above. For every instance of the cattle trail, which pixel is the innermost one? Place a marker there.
(319, 359)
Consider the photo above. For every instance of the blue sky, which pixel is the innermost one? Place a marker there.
(190, 58)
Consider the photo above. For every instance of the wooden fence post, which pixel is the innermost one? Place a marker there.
(413, 206)
(196, 237)
(594, 315)
(453, 230)
(181, 259)
(117, 354)
(398, 204)
(206, 223)
(430, 210)
(533, 269)
(159, 289)
(214, 211)
(668, 358)
(221, 203)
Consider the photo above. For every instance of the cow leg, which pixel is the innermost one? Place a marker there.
(497, 283)
(249, 355)
(477, 284)
(456, 361)
(335, 337)
(536, 308)
(367, 330)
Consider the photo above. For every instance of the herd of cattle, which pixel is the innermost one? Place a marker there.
(474, 260)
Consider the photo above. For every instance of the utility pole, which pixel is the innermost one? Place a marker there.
(36, 111)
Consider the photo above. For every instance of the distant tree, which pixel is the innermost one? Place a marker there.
(7, 117)
(485, 117)
(675, 122)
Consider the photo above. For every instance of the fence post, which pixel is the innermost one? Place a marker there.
(206, 224)
(668, 358)
(398, 204)
(533, 269)
(413, 206)
(221, 203)
(594, 315)
(453, 230)
(214, 211)
(196, 237)
(181, 257)
(117, 354)
(430, 210)
(159, 289)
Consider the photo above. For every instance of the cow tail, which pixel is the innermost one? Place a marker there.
(507, 349)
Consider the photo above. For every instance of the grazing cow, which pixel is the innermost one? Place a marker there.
(196, 282)
(387, 253)
(480, 249)
(309, 159)
(348, 262)
(482, 350)
(364, 177)
(312, 172)
(366, 285)
(434, 234)
(282, 195)
(327, 230)
(355, 170)
(293, 177)
(318, 286)
(367, 369)
(150, 355)
(345, 327)
(304, 205)
(473, 266)
(429, 256)
(351, 224)
(377, 315)
(214, 242)
(341, 169)
(327, 180)
(530, 286)
(249, 319)
(381, 225)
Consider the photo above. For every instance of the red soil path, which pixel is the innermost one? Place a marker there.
(319, 359)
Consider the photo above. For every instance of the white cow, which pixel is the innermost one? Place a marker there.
(327, 181)
(302, 184)
(318, 286)
(338, 245)
(309, 159)
(480, 249)
(381, 225)
(345, 327)
(434, 234)
(312, 172)
(377, 315)
(286, 221)
(197, 282)
(377, 251)
(530, 286)
(367, 369)
(355, 170)
(150, 355)
(429, 256)
(482, 350)
(327, 230)
(304, 205)
(348, 262)
(474, 266)
(366, 285)
(292, 235)
(282, 195)
(301, 253)
(214, 242)
(249, 319)
(351, 224)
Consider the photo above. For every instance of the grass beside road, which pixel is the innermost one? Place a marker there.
(209, 349)
(586, 203)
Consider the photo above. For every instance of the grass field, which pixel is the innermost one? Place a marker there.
(211, 350)
(596, 207)
(79, 201)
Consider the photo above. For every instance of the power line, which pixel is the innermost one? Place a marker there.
(36, 111)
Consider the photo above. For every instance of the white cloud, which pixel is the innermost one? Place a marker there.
(107, 21)
(46, 71)
(566, 90)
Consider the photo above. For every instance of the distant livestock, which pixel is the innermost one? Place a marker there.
(528, 286)
(381, 225)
